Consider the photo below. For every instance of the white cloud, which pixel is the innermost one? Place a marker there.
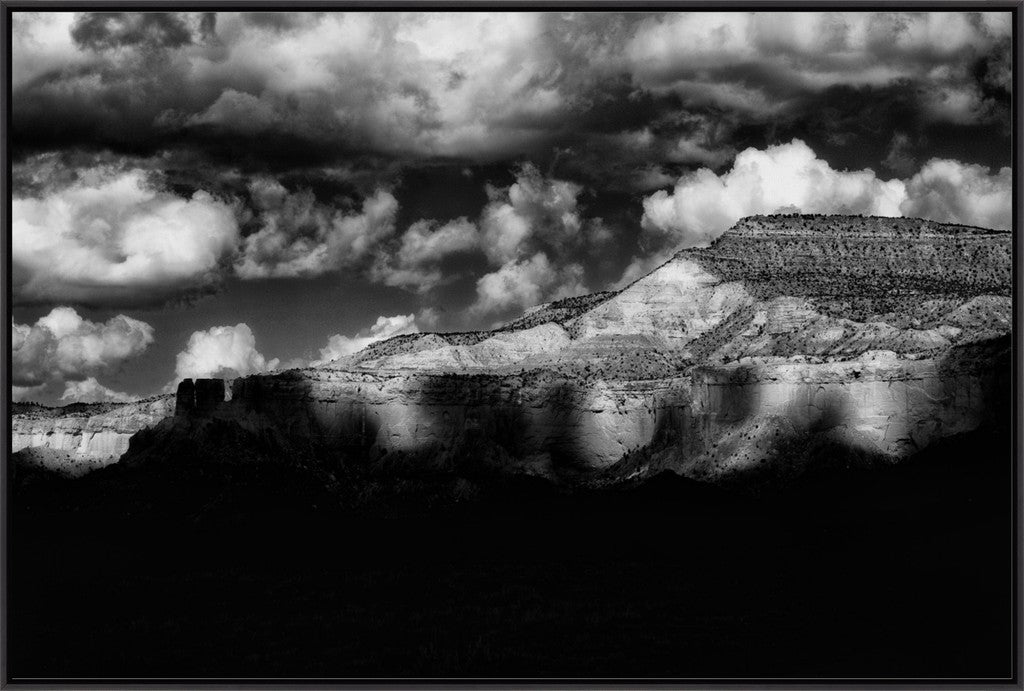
(221, 352)
(113, 237)
(416, 263)
(385, 327)
(523, 227)
(301, 237)
(41, 42)
(533, 211)
(704, 205)
(91, 391)
(64, 346)
(955, 192)
(525, 283)
(430, 83)
(790, 177)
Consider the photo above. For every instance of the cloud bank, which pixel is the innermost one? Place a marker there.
(481, 86)
(791, 178)
(955, 192)
(114, 237)
(63, 346)
(300, 237)
(533, 232)
(417, 262)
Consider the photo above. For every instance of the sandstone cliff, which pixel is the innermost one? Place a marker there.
(792, 339)
(77, 438)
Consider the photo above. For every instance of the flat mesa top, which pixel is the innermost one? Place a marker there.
(852, 226)
(860, 267)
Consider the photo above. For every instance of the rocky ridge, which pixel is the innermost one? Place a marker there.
(80, 437)
(789, 340)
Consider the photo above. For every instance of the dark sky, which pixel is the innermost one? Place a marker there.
(205, 194)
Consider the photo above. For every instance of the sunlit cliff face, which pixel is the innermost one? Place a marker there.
(724, 362)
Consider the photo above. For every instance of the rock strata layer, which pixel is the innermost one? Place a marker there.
(82, 437)
(790, 340)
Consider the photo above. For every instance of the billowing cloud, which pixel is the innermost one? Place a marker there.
(41, 44)
(416, 264)
(385, 327)
(462, 84)
(616, 99)
(954, 192)
(109, 30)
(791, 178)
(298, 236)
(533, 211)
(761, 62)
(64, 346)
(533, 232)
(114, 237)
(780, 178)
(525, 283)
(221, 352)
(91, 391)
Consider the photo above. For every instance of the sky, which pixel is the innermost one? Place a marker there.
(218, 194)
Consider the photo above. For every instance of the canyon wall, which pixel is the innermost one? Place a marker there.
(875, 337)
(711, 423)
(790, 340)
(82, 437)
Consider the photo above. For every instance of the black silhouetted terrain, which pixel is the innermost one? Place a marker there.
(198, 568)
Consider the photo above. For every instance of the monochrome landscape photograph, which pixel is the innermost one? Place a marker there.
(479, 344)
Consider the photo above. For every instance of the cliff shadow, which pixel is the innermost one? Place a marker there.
(278, 418)
(473, 424)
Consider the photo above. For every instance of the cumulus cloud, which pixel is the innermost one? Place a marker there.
(525, 283)
(416, 263)
(64, 346)
(955, 192)
(223, 352)
(339, 345)
(533, 210)
(784, 177)
(791, 178)
(298, 236)
(523, 227)
(114, 236)
(91, 391)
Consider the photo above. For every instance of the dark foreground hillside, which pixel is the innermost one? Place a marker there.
(207, 570)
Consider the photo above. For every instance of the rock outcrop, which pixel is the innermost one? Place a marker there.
(790, 340)
(81, 437)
